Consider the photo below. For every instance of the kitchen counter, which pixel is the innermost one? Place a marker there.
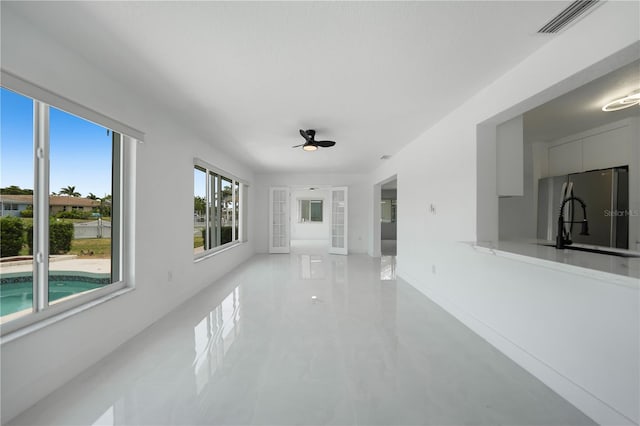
(614, 269)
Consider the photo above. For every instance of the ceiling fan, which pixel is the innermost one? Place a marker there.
(311, 144)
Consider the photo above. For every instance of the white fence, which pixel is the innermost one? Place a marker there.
(94, 229)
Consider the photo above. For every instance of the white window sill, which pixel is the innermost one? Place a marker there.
(28, 329)
(214, 252)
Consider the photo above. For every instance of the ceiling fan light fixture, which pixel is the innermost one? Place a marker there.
(625, 102)
(310, 143)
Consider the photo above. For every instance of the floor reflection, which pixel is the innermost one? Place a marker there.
(387, 268)
(213, 336)
(311, 267)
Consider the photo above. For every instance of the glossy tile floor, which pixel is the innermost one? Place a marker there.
(306, 339)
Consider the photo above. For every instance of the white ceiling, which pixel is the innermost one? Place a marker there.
(247, 75)
(581, 109)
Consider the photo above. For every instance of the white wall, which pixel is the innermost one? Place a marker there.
(580, 336)
(359, 204)
(510, 157)
(518, 214)
(310, 230)
(40, 362)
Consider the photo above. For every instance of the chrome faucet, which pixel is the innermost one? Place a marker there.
(564, 239)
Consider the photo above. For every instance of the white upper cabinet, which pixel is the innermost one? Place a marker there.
(565, 158)
(607, 149)
(600, 148)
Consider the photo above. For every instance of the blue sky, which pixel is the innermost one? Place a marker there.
(199, 183)
(80, 151)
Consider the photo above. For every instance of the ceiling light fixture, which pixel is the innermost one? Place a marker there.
(309, 147)
(625, 102)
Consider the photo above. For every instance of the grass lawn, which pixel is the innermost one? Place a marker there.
(198, 241)
(29, 220)
(100, 247)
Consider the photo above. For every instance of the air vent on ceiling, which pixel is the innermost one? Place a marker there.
(568, 15)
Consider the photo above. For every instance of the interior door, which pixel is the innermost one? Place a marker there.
(279, 220)
(339, 226)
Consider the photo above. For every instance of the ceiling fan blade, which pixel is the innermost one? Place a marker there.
(298, 146)
(325, 144)
(304, 134)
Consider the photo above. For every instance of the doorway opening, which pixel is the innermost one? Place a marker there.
(385, 218)
(388, 218)
(308, 219)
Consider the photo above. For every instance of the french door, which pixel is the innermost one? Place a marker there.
(338, 226)
(279, 220)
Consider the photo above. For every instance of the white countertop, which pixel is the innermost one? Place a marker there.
(617, 269)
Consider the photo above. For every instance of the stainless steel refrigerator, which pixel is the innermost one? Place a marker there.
(606, 195)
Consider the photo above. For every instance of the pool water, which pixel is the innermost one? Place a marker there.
(15, 297)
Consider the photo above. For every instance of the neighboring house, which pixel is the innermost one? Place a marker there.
(12, 205)
(61, 203)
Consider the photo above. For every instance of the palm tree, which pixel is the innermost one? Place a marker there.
(70, 191)
(92, 196)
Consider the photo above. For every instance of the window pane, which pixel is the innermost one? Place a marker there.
(222, 207)
(304, 210)
(199, 209)
(227, 211)
(16, 199)
(81, 205)
(316, 211)
(214, 211)
(237, 210)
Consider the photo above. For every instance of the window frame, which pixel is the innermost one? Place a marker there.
(123, 180)
(213, 195)
(310, 200)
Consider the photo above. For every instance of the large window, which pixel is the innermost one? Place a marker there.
(219, 203)
(63, 243)
(309, 211)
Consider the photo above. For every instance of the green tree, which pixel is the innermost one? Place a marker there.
(92, 196)
(199, 205)
(70, 191)
(15, 190)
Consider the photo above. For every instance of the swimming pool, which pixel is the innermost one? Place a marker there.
(16, 290)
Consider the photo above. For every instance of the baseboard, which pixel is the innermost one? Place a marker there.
(586, 402)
